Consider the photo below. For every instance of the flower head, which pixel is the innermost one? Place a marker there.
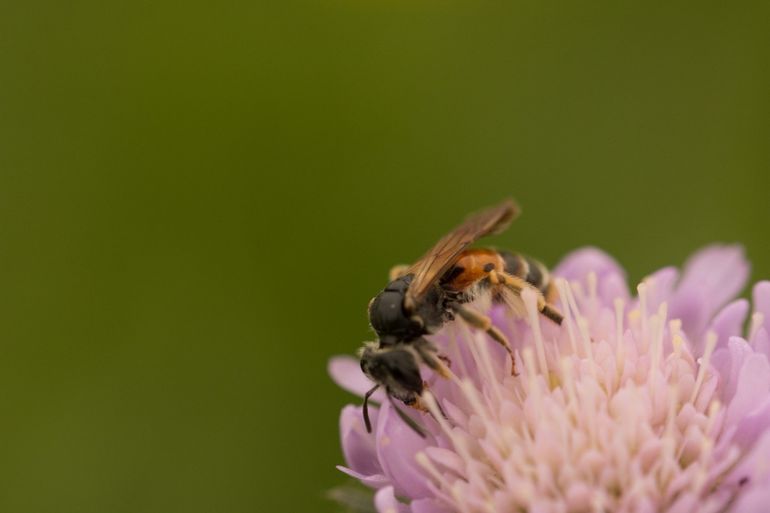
(655, 402)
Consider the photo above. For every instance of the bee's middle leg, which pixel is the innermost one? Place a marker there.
(483, 322)
(432, 358)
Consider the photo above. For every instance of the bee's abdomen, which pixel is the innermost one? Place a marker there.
(528, 269)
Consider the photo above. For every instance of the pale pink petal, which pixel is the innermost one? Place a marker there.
(611, 287)
(685, 503)
(753, 425)
(752, 387)
(712, 277)
(729, 322)
(397, 445)
(373, 481)
(358, 446)
(752, 472)
(345, 371)
(660, 286)
(752, 501)
(577, 265)
(728, 363)
(761, 299)
(385, 501)
(760, 341)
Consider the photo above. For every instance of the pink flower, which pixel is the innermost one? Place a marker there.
(652, 403)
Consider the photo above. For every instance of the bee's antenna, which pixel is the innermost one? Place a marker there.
(366, 408)
(409, 421)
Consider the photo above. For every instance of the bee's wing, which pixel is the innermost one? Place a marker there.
(444, 254)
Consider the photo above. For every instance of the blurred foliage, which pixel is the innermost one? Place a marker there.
(197, 200)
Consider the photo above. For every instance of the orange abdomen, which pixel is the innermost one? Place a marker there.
(472, 266)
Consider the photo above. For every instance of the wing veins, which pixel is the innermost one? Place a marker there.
(437, 261)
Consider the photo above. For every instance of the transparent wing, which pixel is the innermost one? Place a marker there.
(444, 254)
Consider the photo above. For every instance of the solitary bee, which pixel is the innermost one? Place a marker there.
(422, 297)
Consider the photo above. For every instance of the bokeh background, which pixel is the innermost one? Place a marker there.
(198, 199)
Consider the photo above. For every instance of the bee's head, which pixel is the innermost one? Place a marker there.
(390, 319)
(394, 368)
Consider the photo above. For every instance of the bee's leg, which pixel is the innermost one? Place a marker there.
(483, 322)
(417, 405)
(397, 271)
(429, 354)
(368, 394)
(551, 293)
(517, 285)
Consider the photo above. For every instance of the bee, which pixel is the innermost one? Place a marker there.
(436, 289)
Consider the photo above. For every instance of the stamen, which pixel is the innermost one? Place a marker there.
(705, 360)
(425, 462)
(583, 330)
(530, 301)
(569, 385)
(677, 342)
(657, 325)
(714, 407)
(586, 338)
(456, 440)
(592, 287)
(480, 352)
(562, 286)
(531, 369)
(619, 341)
(641, 289)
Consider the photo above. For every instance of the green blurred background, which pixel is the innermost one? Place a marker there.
(197, 200)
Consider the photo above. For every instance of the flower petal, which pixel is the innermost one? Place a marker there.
(660, 286)
(760, 341)
(373, 481)
(752, 387)
(752, 501)
(346, 373)
(397, 445)
(385, 501)
(761, 298)
(753, 425)
(728, 363)
(580, 263)
(358, 446)
(752, 473)
(729, 322)
(712, 276)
